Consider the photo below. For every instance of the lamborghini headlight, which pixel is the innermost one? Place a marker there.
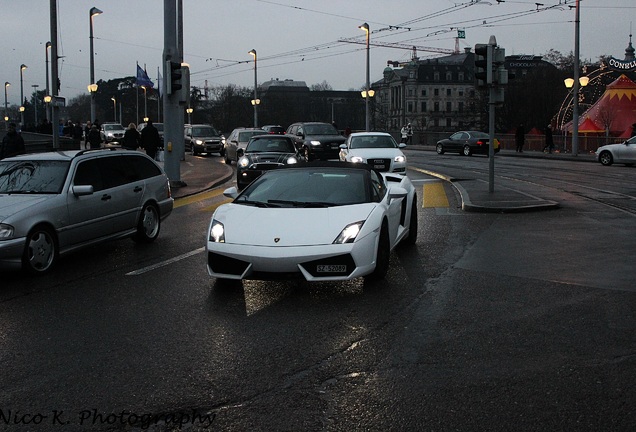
(217, 232)
(349, 233)
(357, 159)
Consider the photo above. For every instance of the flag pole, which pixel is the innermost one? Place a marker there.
(137, 92)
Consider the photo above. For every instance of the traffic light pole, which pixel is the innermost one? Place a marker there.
(490, 73)
(173, 122)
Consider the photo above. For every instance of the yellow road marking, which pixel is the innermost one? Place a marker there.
(197, 197)
(214, 206)
(434, 195)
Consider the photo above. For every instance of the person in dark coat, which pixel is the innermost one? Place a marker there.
(634, 130)
(12, 143)
(131, 138)
(520, 137)
(549, 141)
(78, 134)
(150, 139)
(94, 138)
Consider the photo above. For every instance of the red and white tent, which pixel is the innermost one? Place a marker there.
(615, 110)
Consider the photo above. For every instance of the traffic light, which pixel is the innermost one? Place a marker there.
(483, 65)
(174, 74)
(499, 72)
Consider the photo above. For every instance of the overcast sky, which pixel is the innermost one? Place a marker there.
(295, 39)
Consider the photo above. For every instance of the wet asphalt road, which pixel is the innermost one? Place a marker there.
(491, 322)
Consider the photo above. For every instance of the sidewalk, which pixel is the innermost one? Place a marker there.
(200, 174)
(508, 196)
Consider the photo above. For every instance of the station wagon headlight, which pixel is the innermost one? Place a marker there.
(243, 162)
(357, 159)
(349, 233)
(400, 158)
(315, 143)
(291, 160)
(217, 232)
(6, 231)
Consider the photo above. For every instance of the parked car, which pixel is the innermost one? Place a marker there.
(466, 143)
(264, 152)
(622, 153)
(377, 149)
(318, 221)
(237, 141)
(274, 129)
(316, 140)
(111, 132)
(159, 127)
(57, 202)
(203, 138)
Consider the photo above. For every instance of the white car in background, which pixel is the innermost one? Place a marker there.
(621, 153)
(377, 149)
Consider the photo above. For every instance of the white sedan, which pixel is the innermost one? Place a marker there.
(377, 149)
(622, 153)
(318, 221)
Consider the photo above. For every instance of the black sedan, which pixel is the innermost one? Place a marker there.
(264, 152)
(466, 143)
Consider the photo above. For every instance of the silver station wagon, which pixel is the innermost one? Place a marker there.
(54, 203)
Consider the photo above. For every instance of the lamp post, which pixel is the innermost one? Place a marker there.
(145, 102)
(367, 94)
(22, 68)
(6, 116)
(575, 108)
(575, 85)
(255, 101)
(114, 108)
(35, 102)
(47, 93)
(189, 111)
(92, 87)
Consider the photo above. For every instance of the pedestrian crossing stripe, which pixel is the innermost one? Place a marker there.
(434, 195)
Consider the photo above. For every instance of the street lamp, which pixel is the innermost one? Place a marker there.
(575, 85)
(6, 116)
(189, 111)
(47, 93)
(367, 94)
(145, 101)
(35, 102)
(256, 100)
(575, 90)
(22, 68)
(92, 87)
(114, 108)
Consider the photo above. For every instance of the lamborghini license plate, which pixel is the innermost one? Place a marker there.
(331, 268)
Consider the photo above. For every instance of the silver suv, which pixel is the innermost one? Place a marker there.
(54, 203)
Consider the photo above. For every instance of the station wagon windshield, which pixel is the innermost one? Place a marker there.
(32, 177)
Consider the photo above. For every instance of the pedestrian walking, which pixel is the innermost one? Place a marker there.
(131, 138)
(87, 130)
(409, 134)
(78, 133)
(404, 132)
(94, 138)
(549, 141)
(150, 139)
(12, 143)
(520, 138)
